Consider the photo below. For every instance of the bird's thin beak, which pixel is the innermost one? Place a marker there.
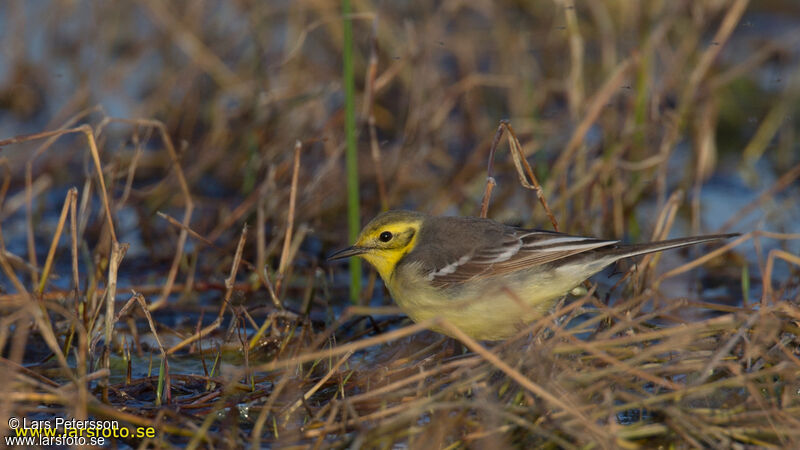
(348, 252)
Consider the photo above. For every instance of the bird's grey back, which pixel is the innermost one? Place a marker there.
(462, 237)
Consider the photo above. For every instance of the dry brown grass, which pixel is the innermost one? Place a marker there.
(165, 268)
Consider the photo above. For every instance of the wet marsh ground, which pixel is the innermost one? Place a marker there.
(174, 176)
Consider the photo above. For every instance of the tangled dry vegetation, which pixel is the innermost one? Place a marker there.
(177, 178)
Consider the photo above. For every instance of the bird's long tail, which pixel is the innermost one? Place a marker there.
(626, 251)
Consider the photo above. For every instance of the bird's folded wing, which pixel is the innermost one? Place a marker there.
(519, 249)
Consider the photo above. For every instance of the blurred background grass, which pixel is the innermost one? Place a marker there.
(236, 83)
(620, 106)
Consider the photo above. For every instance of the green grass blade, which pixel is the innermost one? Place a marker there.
(353, 215)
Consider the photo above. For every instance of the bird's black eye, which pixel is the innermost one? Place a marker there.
(385, 236)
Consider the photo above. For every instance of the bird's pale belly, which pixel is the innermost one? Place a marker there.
(497, 310)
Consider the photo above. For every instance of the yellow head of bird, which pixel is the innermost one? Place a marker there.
(385, 240)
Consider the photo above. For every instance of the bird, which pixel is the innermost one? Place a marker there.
(486, 278)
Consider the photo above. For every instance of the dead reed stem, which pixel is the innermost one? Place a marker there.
(48, 263)
(231, 280)
(287, 238)
(117, 253)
